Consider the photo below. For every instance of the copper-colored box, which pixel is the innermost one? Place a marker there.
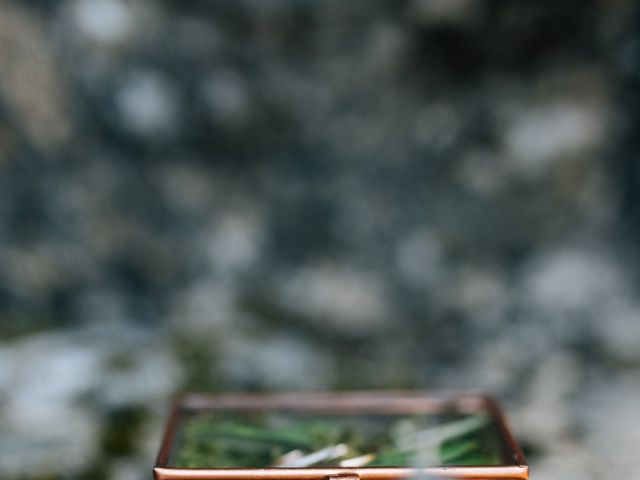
(338, 436)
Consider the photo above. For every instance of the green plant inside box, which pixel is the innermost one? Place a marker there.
(242, 439)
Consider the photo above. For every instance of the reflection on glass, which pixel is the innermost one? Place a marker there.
(237, 439)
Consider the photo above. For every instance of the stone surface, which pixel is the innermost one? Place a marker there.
(257, 195)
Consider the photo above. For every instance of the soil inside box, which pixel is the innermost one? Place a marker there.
(235, 439)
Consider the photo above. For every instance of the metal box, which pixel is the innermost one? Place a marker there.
(338, 436)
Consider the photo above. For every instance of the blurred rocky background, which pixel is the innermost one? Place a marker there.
(296, 194)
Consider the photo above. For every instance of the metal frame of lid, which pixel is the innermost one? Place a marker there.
(514, 466)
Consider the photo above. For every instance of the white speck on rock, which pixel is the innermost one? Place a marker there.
(63, 440)
(545, 416)
(540, 136)
(105, 21)
(148, 104)
(52, 370)
(236, 242)
(350, 301)
(283, 361)
(418, 258)
(47, 375)
(563, 283)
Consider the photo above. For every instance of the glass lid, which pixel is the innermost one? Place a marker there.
(292, 439)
